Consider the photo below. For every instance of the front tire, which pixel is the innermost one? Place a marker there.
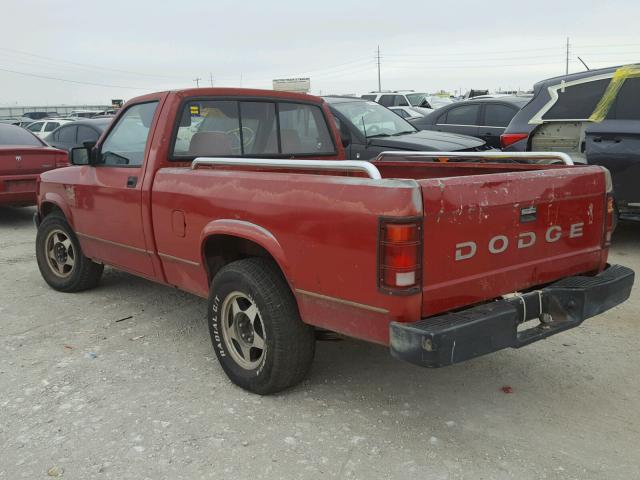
(262, 344)
(60, 259)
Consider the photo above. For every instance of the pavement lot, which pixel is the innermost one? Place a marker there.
(145, 397)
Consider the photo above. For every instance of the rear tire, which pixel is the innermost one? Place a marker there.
(262, 344)
(60, 259)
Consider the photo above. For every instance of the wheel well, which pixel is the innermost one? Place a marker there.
(49, 208)
(220, 250)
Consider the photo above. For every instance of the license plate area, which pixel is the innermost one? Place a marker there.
(18, 186)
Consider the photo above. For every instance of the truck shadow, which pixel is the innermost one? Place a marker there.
(627, 236)
(16, 216)
(351, 368)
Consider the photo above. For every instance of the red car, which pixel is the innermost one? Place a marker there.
(23, 157)
(242, 196)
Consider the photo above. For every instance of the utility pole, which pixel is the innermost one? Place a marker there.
(197, 80)
(211, 78)
(566, 70)
(379, 83)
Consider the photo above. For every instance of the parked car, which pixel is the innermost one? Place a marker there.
(39, 115)
(75, 134)
(106, 113)
(23, 122)
(409, 113)
(594, 117)
(412, 254)
(485, 118)
(432, 102)
(75, 114)
(400, 98)
(42, 128)
(9, 120)
(367, 128)
(23, 156)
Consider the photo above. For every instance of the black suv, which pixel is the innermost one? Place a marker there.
(593, 116)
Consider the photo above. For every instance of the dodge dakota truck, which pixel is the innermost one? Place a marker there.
(244, 197)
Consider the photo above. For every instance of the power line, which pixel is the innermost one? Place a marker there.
(85, 65)
(79, 82)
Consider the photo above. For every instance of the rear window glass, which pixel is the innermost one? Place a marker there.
(213, 128)
(86, 134)
(303, 130)
(67, 134)
(386, 100)
(14, 135)
(465, 115)
(498, 115)
(577, 102)
(627, 103)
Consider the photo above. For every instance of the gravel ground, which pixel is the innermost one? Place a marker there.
(83, 395)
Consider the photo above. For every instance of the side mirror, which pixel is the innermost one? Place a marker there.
(79, 156)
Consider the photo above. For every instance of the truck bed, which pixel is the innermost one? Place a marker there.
(326, 230)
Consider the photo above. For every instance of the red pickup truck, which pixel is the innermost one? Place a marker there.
(241, 196)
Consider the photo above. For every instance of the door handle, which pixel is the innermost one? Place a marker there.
(132, 182)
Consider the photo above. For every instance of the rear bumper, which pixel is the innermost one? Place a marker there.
(18, 190)
(454, 337)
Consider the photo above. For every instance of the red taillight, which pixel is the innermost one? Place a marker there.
(400, 255)
(507, 139)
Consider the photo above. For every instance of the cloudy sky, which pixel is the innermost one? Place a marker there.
(77, 52)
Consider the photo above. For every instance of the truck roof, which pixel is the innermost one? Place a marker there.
(237, 92)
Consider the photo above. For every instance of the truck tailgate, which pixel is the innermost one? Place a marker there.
(489, 235)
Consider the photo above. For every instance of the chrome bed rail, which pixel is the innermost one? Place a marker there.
(566, 159)
(335, 165)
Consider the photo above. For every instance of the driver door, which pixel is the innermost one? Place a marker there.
(108, 203)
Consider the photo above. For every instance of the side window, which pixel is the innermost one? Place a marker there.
(400, 112)
(126, 143)
(86, 134)
(400, 101)
(368, 97)
(498, 115)
(303, 130)
(577, 102)
(51, 126)
(386, 100)
(209, 128)
(35, 127)
(464, 115)
(627, 103)
(67, 135)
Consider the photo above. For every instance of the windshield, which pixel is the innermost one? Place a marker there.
(416, 98)
(374, 120)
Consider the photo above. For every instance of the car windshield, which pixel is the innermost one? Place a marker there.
(416, 98)
(374, 120)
